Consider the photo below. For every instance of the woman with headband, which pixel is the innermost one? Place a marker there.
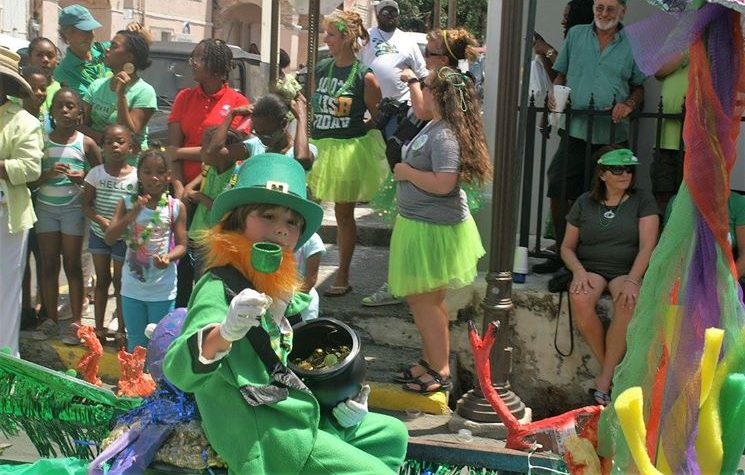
(444, 48)
(435, 243)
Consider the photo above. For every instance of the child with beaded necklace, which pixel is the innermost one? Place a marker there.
(154, 228)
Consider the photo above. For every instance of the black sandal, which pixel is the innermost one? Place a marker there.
(599, 397)
(406, 376)
(444, 383)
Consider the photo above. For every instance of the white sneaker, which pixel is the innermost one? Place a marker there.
(381, 297)
(46, 330)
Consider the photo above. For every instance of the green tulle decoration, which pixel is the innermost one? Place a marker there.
(55, 409)
(385, 205)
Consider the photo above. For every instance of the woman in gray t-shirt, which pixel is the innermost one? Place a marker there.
(611, 232)
(435, 243)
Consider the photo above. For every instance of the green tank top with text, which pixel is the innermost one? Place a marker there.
(339, 101)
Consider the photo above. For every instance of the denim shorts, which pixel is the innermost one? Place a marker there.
(96, 245)
(67, 219)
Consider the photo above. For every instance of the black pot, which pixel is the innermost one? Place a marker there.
(332, 385)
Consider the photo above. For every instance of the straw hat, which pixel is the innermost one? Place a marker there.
(12, 82)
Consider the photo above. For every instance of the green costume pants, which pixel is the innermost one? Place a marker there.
(376, 446)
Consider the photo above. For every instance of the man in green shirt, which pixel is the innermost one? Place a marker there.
(597, 63)
(83, 62)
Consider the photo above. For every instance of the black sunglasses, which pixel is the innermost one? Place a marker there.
(620, 169)
(389, 12)
(428, 53)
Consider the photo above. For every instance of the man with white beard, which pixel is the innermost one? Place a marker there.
(596, 62)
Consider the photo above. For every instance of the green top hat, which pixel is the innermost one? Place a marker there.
(271, 178)
(619, 156)
(79, 17)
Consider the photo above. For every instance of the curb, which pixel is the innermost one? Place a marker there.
(108, 365)
(383, 396)
(390, 397)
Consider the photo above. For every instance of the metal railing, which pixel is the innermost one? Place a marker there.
(530, 215)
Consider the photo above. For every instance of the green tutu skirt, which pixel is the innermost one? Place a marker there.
(385, 204)
(349, 170)
(426, 257)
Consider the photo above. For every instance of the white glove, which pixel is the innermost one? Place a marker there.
(349, 413)
(244, 312)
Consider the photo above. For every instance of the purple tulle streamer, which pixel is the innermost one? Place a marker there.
(665, 35)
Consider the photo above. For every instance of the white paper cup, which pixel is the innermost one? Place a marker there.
(520, 265)
(561, 95)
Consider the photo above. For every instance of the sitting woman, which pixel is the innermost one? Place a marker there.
(611, 232)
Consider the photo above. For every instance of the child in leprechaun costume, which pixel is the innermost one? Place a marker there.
(232, 352)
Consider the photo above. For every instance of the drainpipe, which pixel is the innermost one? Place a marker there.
(274, 46)
(497, 304)
(314, 18)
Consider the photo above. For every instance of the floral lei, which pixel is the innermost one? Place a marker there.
(137, 240)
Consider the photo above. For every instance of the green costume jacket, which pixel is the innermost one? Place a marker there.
(242, 415)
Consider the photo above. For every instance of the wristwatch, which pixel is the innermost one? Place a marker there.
(412, 81)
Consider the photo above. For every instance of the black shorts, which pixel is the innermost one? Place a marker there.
(608, 276)
(569, 166)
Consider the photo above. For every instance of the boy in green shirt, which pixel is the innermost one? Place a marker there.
(232, 351)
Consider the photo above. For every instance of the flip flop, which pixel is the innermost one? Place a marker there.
(443, 384)
(406, 375)
(337, 290)
(599, 397)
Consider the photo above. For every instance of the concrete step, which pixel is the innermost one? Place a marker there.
(371, 229)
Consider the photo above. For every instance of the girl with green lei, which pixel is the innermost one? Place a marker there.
(351, 162)
(435, 243)
(154, 227)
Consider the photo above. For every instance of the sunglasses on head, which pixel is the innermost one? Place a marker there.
(620, 169)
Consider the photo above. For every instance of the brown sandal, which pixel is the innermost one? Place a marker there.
(406, 375)
(422, 385)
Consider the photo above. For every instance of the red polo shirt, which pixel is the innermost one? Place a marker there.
(196, 111)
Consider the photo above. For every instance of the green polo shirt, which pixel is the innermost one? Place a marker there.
(78, 73)
(602, 76)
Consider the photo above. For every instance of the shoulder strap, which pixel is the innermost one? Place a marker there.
(282, 377)
(233, 281)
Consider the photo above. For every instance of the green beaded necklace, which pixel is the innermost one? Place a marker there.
(350, 78)
(136, 241)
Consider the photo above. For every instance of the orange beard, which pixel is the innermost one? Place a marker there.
(220, 248)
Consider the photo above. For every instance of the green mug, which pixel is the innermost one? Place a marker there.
(266, 257)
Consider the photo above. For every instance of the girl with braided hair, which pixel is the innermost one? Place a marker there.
(351, 162)
(435, 243)
(194, 111)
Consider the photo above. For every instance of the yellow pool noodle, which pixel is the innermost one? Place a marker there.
(709, 449)
(630, 411)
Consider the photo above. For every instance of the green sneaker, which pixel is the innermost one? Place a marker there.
(381, 297)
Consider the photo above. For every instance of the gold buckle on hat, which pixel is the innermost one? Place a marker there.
(280, 186)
